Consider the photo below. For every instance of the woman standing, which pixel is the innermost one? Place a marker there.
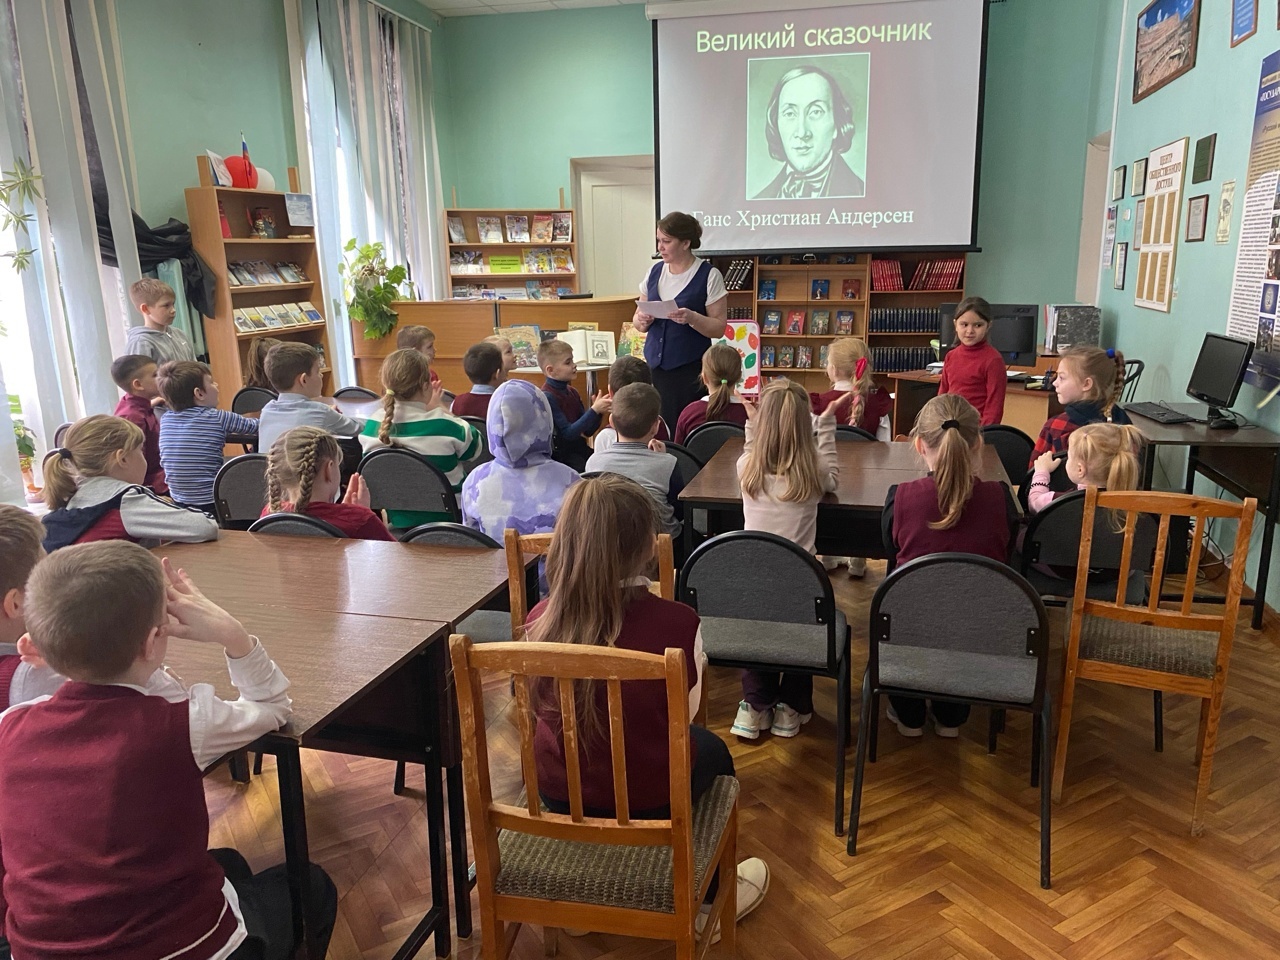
(675, 345)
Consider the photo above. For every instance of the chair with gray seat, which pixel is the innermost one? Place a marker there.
(787, 621)
(964, 629)
(689, 467)
(399, 479)
(483, 626)
(296, 525)
(355, 393)
(704, 441)
(1013, 447)
(240, 491)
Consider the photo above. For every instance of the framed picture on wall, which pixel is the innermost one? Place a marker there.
(1197, 218)
(1167, 37)
(1138, 182)
(1122, 261)
(1244, 20)
(1117, 183)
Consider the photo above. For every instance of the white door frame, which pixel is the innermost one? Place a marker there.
(579, 169)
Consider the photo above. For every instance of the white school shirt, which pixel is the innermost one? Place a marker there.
(670, 284)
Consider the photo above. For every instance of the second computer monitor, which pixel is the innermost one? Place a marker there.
(1012, 332)
(1216, 377)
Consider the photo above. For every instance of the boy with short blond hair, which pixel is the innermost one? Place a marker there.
(420, 338)
(637, 410)
(135, 374)
(156, 338)
(21, 534)
(509, 362)
(482, 363)
(573, 420)
(194, 431)
(294, 370)
(116, 758)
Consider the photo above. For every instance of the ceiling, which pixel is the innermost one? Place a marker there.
(471, 8)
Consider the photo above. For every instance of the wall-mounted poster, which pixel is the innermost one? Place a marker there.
(1244, 20)
(1122, 261)
(744, 336)
(1168, 33)
(1117, 184)
(1166, 167)
(1226, 206)
(1197, 218)
(1139, 185)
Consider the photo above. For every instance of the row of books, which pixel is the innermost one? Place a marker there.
(252, 273)
(736, 277)
(532, 290)
(819, 289)
(739, 313)
(900, 359)
(819, 323)
(904, 320)
(801, 259)
(531, 260)
(255, 319)
(945, 274)
(546, 228)
(801, 358)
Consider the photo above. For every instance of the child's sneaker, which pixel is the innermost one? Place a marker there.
(786, 722)
(949, 733)
(750, 722)
(857, 567)
(903, 729)
(753, 883)
(830, 563)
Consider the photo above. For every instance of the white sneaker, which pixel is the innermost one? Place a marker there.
(786, 722)
(857, 567)
(830, 563)
(753, 884)
(903, 729)
(750, 722)
(949, 733)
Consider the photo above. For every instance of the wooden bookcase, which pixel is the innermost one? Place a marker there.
(228, 347)
(508, 248)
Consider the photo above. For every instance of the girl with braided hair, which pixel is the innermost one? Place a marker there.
(1088, 384)
(304, 475)
(859, 401)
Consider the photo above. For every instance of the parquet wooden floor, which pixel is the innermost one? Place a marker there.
(949, 845)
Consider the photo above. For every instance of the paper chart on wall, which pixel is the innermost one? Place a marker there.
(744, 336)
(1166, 167)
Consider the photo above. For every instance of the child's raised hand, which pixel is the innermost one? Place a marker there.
(602, 404)
(437, 394)
(1047, 462)
(750, 406)
(193, 616)
(357, 492)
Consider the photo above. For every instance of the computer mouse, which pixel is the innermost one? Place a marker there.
(1223, 423)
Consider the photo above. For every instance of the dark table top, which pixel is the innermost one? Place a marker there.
(1199, 434)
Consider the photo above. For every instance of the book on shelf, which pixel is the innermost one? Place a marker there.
(562, 227)
(786, 356)
(490, 229)
(541, 289)
(820, 323)
(255, 318)
(470, 291)
(457, 231)
(824, 353)
(820, 290)
(466, 261)
(600, 348)
(562, 261)
(536, 259)
(795, 323)
(1071, 325)
(542, 229)
(767, 355)
(844, 323)
(264, 272)
(772, 322)
(232, 279)
(583, 325)
(851, 288)
(904, 320)
(290, 272)
(524, 343)
(511, 293)
(517, 228)
(241, 320)
(804, 358)
(768, 290)
(630, 341)
(310, 312)
(737, 274)
(295, 313)
(886, 275)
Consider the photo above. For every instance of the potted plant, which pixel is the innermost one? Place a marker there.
(371, 287)
(26, 441)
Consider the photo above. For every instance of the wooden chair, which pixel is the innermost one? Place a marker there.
(520, 548)
(1151, 646)
(642, 878)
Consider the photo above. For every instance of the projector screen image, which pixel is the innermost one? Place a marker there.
(834, 128)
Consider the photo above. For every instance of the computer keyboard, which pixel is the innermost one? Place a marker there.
(1157, 412)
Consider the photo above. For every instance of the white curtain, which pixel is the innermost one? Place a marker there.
(371, 131)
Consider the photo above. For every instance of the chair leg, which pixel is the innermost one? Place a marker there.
(873, 735)
(398, 787)
(1200, 731)
(549, 945)
(729, 883)
(238, 764)
(993, 729)
(257, 764)
(843, 682)
(1210, 713)
(1045, 724)
(1035, 750)
(866, 732)
(1064, 730)
(1157, 709)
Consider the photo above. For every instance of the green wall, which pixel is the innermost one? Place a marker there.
(528, 91)
(195, 75)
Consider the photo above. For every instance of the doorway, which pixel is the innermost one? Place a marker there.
(1093, 216)
(614, 198)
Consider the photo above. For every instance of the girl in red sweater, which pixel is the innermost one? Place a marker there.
(304, 475)
(721, 371)
(859, 401)
(974, 369)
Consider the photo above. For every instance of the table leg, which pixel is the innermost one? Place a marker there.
(436, 838)
(458, 849)
(297, 856)
(1148, 465)
(1268, 532)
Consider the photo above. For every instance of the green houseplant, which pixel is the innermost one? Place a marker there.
(18, 187)
(371, 287)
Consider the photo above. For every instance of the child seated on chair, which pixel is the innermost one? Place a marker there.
(422, 339)
(93, 488)
(949, 511)
(721, 371)
(294, 371)
(1103, 455)
(509, 362)
(255, 364)
(304, 476)
(21, 534)
(599, 596)
(636, 412)
(624, 371)
(1088, 384)
(784, 470)
(117, 756)
(482, 363)
(574, 421)
(135, 375)
(521, 487)
(413, 417)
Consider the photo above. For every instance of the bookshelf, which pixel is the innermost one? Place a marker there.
(548, 265)
(228, 347)
(801, 294)
(901, 323)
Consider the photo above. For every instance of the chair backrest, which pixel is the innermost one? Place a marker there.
(449, 535)
(447, 397)
(60, 433)
(1059, 482)
(251, 400)
(562, 665)
(1164, 507)
(399, 479)
(1013, 447)
(962, 603)
(686, 462)
(296, 525)
(1053, 538)
(355, 393)
(479, 424)
(848, 431)
(240, 491)
(521, 548)
(703, 441)
(1132, 374)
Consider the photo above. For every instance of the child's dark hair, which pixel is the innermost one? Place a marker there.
(295, 459)
(721, 371)
(124, 370)
(178, 381)
(975, 305)
(256, 362)
(414, 337)
(288, 361)
(627, 370)
(636, 408)
(481, 362)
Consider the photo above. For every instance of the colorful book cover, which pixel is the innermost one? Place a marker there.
(804, 358)
(768, 290)
(772, 322)
(310, 312)
(584, 325)
(243, 274)
(517, 228)
(270, 318)
(241, 321)
(795, 323)
(851, 289)
(767, 356)
(524, 344)
(542, 228)
(824, 352)
(263, 272)
(457, 232)
(562, 227)
(562, 261)
(295, 311)
(820, 323)
(820, 290)
(786, 356)
(744, 336)
(255, 318)
(630, 341)
(844, 323)
(490, 229)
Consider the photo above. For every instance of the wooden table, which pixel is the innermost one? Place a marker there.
(359, 627)
(849, 518)
(1024, 407)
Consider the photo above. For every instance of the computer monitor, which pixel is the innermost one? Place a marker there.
(1219, 369)
(1012, 333)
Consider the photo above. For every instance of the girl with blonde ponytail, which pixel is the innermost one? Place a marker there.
(949, 511)
(721, 371)
(861, 402)
(304, 475)
(1103, 455)
(414, 417)
(93, 488)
